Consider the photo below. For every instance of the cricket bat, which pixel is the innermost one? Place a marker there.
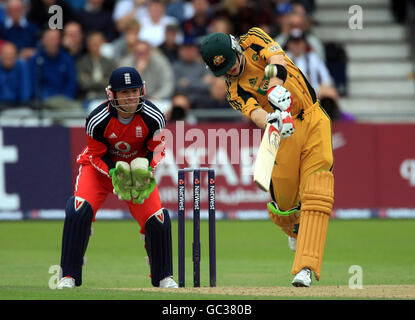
(267, 152)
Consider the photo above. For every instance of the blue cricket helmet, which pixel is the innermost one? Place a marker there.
(125, 78)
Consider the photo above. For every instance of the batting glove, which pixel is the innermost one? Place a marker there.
(283, 122)
(279, 98)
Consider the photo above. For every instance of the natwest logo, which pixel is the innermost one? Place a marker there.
(407, 171)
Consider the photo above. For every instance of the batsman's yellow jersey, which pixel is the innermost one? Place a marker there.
(249, 90)
(309, 149)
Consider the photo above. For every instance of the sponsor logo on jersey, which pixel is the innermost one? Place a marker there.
(252, 82)
(263, 86)
(122, 146)
(275, 48)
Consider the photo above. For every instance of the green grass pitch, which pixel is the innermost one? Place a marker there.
(249, 254)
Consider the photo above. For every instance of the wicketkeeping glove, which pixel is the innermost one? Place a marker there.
(143, 182)
(121, 180)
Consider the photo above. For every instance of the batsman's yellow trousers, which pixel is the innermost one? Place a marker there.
(307, 151)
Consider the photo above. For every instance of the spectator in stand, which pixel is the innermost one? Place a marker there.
(39, 12)
(170, 46)
(221, 24)
(154, 68)
(192, 77)
(179, 9)
(16, 28)
(95, 17)
(307, 60)
(180, 109)
(198, 26)
(153, 25)
(329, 100)
(298, 21)
(125, 10)
(73, 40)
(243, 14)
(15, 86)
(217, 96)
(94, 71)
(123, 45)
(53, 73)
(3, 6)
(76, 4)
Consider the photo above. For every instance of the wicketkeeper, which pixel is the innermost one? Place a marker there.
(266, 86)
(125, 144)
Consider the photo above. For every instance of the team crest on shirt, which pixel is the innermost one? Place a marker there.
(255, 57)
(218, 60)
(138, 132)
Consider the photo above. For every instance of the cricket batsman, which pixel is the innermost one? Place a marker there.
(267, 87)
(125, 143)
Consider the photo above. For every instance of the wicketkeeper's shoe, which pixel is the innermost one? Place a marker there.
(66, 282)
(303, 278)
(168, 282)
(292, 243)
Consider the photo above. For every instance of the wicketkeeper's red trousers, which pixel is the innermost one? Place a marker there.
(94, 187)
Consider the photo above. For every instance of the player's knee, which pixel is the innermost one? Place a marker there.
(159, 220)
(318, 193)
(77, 208)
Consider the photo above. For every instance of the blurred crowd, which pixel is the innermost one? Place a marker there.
(69, 68)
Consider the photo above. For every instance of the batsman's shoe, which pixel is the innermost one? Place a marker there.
(292, 243)
(303, 278)
(66, 282)
(168, 282)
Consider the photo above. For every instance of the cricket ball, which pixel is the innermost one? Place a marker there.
(270, 71)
